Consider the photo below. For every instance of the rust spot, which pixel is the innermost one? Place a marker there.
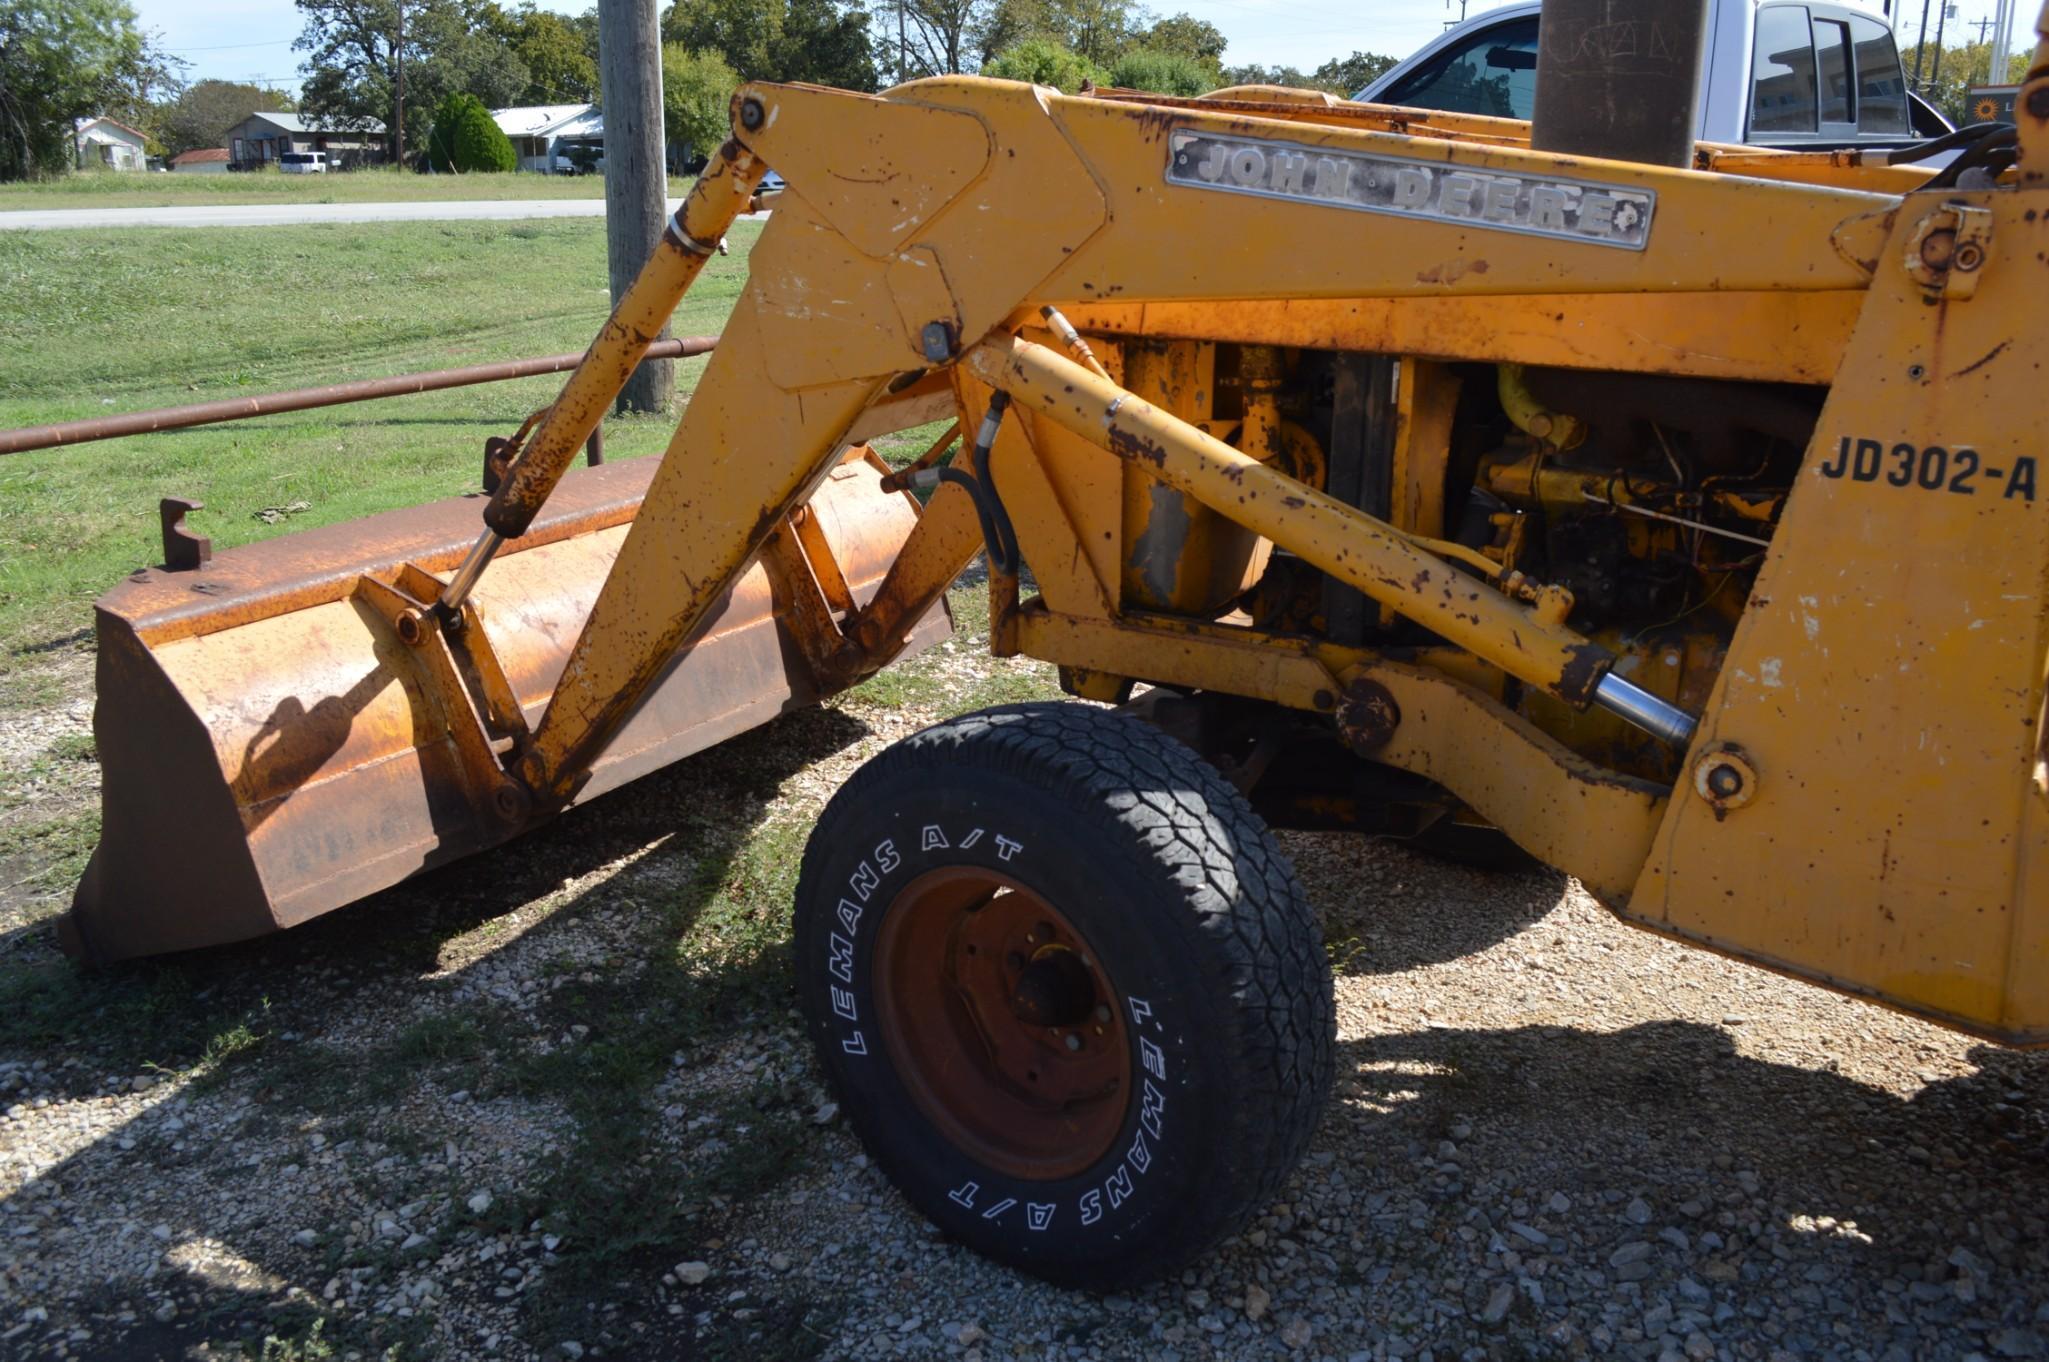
(1989, 356)
(1451, 271)
(1585, 665)
(1128, 445)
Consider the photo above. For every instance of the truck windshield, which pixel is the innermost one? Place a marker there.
(1493, 72)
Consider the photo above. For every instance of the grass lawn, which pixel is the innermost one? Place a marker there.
(93, 323)
(678, 1112)
(110, 189)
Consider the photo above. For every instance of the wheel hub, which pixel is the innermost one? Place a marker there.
(1002, 1023)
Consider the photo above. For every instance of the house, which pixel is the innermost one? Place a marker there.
(257, 141)
(554, 137)
(569, 138)
(201, 161)
(101, 143)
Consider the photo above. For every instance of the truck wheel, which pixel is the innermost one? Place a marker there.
(1067, 989)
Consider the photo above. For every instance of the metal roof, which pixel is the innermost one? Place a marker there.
(291, 122)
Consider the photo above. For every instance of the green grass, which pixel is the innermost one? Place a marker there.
(110, 189)
(92, 324)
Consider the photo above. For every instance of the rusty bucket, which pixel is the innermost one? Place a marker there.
(269, 753)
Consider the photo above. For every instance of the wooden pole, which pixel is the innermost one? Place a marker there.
(636, 187)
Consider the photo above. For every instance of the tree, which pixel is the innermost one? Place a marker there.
(1348, 75)
(1166, 73)
(1095, 30)
(62, 60)
(202, 114)
(1187, 36)
(1948, 73)
(1343, 77)
(697, 95)
(820, 41)
(376, 58)
(1006, 23)
(1255, 74)
(466, 138)
(1044, 62)
(825, 43)
(561, 66)
(928, 37)
(467, 50)
(744, 32)
(140, 86)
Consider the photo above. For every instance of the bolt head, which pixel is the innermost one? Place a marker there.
(1073, 1041)
(1725, 778)
(936, 341)
(1938, 249)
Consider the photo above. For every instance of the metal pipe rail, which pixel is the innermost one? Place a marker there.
(301, 399)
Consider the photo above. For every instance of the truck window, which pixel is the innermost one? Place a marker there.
(1881, 84)
(1832, 53)
(1493, 72)
(1782, 97)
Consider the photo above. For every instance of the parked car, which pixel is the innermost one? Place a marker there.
(302, 163)
(1799, 76)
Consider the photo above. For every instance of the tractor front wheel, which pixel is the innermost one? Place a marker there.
(1067, 989)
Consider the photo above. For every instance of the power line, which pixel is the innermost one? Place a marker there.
(234, 47)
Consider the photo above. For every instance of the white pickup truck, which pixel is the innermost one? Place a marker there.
(1800, 76)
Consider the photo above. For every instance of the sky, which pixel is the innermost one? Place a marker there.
(252, 39)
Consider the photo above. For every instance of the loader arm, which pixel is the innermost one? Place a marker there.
(917, 223)
(925, 234)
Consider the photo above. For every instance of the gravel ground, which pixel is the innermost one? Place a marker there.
(558, 1105)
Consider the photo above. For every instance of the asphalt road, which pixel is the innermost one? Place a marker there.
(293, 214)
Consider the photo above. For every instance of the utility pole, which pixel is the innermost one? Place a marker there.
(2002, 37)
(1942, 9)
(1982, 25)
(398, 97)
(636, 182)
(1921, 46)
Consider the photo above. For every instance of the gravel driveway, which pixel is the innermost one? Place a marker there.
(557, 1104)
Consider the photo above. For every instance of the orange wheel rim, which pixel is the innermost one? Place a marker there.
(1002, 1023)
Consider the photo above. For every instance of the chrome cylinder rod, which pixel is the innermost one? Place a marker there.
(473, 564)
(1645, 710)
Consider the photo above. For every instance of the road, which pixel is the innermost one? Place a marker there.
(299, 214)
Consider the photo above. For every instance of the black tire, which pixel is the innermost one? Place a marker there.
(1186, 911)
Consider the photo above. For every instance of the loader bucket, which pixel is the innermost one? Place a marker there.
(269, 754)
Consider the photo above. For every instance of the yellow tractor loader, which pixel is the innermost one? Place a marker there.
(1672, 517)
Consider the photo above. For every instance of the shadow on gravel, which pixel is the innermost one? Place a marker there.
(1828, 1195)
(1408, 909)
(271, 1020)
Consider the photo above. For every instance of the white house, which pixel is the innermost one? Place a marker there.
(101, 142)
(201, 161)
(546, 136)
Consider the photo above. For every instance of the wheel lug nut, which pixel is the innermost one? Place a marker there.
(1102, 1012)
(1073, 1041)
